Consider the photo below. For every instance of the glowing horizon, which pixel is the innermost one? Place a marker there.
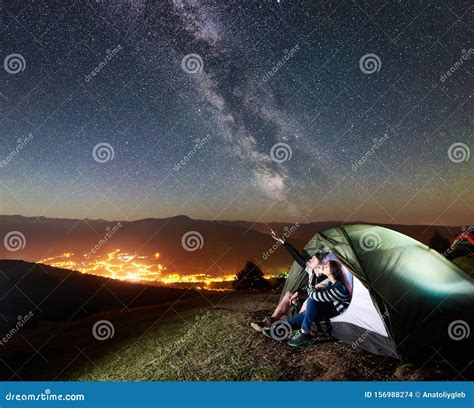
(125, 266)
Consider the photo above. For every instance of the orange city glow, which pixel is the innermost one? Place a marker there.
(130, 267)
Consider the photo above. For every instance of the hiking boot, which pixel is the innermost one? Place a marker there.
(301, 339)
(262, 325)
(279, 330)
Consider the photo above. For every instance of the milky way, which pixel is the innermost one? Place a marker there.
(260, 110)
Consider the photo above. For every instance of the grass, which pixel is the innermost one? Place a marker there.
(196, 340)
(212, 345)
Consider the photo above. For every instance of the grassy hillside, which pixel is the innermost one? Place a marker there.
(55, 294)
(197, 339)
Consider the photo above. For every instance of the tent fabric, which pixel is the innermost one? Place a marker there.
(361, 326)
(417, 293)
(362, 312)
(358, 337)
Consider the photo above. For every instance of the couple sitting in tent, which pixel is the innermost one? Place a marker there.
(326, 295)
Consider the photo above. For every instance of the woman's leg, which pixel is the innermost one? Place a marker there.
(310, 315)
(297, 321)
(283, 306)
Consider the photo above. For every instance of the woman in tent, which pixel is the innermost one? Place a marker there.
(323, 304)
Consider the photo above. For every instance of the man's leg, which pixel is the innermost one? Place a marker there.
(283, 306)
(303, 306)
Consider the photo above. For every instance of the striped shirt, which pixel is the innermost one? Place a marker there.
(337, 293)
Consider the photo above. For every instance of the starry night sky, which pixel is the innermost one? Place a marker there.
(272, 72)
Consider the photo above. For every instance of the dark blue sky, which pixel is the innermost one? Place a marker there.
(293, 110)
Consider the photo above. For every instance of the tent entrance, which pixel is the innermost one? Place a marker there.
(361, 326)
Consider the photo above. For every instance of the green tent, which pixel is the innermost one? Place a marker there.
(408, 301)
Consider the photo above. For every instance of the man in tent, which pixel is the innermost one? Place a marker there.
(295, 301)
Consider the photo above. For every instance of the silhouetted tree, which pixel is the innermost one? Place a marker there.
(439, 243)
(281, 279)
(251, 277)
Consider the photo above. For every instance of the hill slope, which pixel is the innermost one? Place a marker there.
(54, 294)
